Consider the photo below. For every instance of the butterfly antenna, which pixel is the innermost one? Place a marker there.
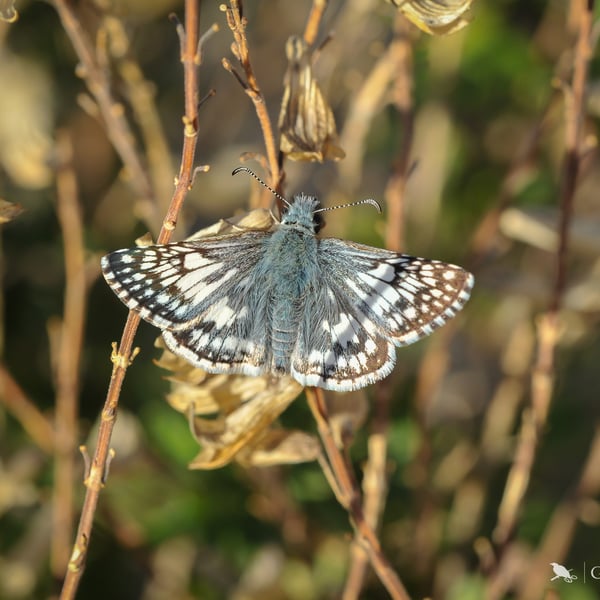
(365, 201)
(251, 172)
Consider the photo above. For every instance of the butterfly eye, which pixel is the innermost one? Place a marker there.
(318, 222)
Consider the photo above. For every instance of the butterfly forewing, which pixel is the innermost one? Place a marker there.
(405, 296)
(199, 294)
(173, 285)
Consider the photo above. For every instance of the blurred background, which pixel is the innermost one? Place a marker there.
(492, 468)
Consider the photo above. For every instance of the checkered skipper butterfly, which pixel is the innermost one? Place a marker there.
(328, 312)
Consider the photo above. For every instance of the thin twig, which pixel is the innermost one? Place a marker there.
(121, 359)
(542, 379)
(402, 55)
(69, 355)
(375, 487)
(237, 25)
(117, 128)
(314, 20)
(141, 96)
(363, 108)
(38, 427)
(349, 497)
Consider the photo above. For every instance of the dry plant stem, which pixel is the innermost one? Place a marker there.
(349, 497)
(485, 236)
(374, 489)
(548, 325)
(69, 356)
(121, 359)
(237, 24)
(141, 97)
(363, 109)
(37, 426)
(314, 20)
(117, 127)
(402, 55)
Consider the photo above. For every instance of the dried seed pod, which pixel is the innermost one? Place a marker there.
(436, 17)
(306, 124)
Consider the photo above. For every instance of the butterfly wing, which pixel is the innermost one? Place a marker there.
(368, 301)
(339, 347)
(203, 294)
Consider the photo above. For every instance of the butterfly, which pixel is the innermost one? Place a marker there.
(327, 312)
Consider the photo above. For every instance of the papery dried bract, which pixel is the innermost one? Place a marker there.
(242, 410)
(245, 427)
(436, 17)
(281, 447)
(254, 220)
(306, 124)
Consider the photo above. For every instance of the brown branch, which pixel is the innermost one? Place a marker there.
(69, 356)
(117, 128)
(141, 97)
(402, 55)
(314, 20)
(365, 105)
(237, 24)
(542, 378)
(375, 488)
(349, 497)
(37, 426)
(121, 358)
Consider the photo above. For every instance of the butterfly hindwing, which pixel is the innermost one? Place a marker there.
(338, 346)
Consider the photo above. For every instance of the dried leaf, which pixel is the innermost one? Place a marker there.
(306, 124)
(9, 211)
(196, 392)
(241, 410)
(255, 220)
(436, 17)
(242, 428)
(281, 447)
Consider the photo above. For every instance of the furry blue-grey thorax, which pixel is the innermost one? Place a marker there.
(301, 214)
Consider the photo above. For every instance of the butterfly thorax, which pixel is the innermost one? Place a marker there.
(291, 264)
(301, 214)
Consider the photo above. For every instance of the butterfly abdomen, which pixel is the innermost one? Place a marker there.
(291, 268)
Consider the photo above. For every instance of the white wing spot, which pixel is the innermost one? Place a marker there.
(370, 346)
(410, 312)
(194, 260)
(344, 331)
(384, 272)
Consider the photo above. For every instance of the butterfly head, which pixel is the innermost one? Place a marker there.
(303, 213)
